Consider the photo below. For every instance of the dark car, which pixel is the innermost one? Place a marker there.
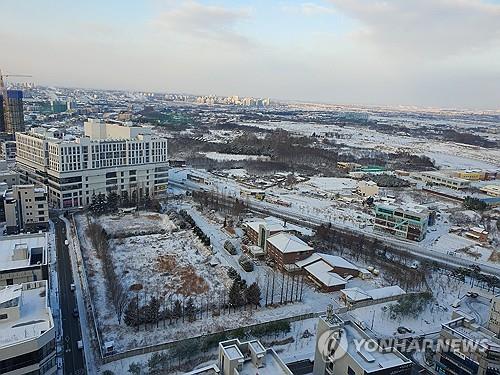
(75, 312)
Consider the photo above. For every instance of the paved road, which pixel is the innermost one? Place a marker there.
(73, 358)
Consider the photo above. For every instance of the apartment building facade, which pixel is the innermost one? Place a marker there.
(26, 209)
(401, 222)
(344, 348)
(109, 157)
(28, 344)
(478, 354)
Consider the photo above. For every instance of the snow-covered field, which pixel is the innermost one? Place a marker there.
(223, 157)
(172, 263)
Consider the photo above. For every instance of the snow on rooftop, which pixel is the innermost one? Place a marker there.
(35, 318)
(324, 273)
(8, 245)
(288, 243)
(369, 360)
(332, 260)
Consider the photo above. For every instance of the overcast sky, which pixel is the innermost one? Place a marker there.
(440, 53)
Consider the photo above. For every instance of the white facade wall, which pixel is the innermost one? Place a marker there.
(127, 159)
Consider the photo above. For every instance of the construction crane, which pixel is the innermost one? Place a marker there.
(3, 92)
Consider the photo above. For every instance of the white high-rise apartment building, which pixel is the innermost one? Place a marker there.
(109, 157)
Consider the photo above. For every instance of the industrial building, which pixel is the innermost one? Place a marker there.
(402, 222)
(28, 337)
(122, 158)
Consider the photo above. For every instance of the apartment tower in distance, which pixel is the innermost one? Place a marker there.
(11, 113)
(122, 158)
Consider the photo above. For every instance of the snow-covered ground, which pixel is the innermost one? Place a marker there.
(446, 290)
(222, 157)
(175, 263)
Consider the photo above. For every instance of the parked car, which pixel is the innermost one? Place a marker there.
(246, 263)
(230, 248)
(472, 294)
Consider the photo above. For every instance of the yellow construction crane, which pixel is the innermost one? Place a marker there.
(3, 92)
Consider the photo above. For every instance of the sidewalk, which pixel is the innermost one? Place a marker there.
(54, 298)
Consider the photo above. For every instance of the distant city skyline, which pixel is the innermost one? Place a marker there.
(424, 53)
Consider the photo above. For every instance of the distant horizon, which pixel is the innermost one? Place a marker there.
(279, 100)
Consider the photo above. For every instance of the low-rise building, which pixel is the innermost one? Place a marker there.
(26, 209)
(441, 179)
(353, 296)
(258, 231)
(285, 250)
(344, 348)
(367, 188)
(492, 190)
(471, 174)
(245, 358)
(477, 351)
(8, 150)
(477, 234)
(408, 223)
(23, 258)
(8, 176)
(27, 333)
(329, 272)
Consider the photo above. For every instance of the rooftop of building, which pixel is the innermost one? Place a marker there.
(373, 360)
(241, 351)
(407, 208)
(288, 243)
(95, 130)
(467, 329)
(275, 224)
(442, 174)
(35, 317)
(22, 250)
(357, 294)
